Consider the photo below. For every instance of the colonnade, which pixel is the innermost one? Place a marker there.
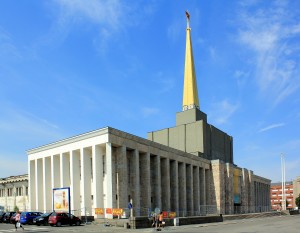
(262, 196)
(108, 175)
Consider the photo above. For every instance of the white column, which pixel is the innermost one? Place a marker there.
(31, 185)
(47, 184)
(39, 184)
(97, 154)
(85, 159)
(55, 173)
(64, 170)
(109, 180)
(75, 181)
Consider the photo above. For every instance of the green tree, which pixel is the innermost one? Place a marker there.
(297, 201)
(16, 208)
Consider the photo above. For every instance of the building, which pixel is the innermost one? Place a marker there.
(187, 169)
(276, 195)
(14, 193)
(296, 186)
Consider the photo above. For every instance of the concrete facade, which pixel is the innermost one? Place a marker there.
(14, 193)
(194, 135)
(107, 168)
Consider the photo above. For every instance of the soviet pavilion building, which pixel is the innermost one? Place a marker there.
(184, 169)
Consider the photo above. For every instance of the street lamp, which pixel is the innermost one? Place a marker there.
(283, 203)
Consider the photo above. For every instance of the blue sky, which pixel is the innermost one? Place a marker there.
(68, 67)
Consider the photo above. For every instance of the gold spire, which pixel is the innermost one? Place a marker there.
(190, 92)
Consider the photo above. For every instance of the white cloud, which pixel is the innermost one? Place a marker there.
(7, 47)
(146, 111)
(222, 111)
(272, 34)
(18, 122)
(108, 12)
(271, 127)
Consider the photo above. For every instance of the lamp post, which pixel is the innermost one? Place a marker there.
(283, 203)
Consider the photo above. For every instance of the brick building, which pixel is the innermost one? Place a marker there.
(276, 195)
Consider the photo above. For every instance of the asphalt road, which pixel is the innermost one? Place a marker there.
(278, 224)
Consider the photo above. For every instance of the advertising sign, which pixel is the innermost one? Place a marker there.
(117, 211)
(99, 211)
(61, 199)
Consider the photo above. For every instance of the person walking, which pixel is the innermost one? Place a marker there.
(17, 221)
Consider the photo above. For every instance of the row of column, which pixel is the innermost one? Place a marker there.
(153, 181)
(103, 176)
(262, 196)
(81, 170)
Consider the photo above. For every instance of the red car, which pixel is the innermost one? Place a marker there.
(61, 218)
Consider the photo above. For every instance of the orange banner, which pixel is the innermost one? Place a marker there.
(118, 211)
(99, 211)
(109, 210)
(172, 214)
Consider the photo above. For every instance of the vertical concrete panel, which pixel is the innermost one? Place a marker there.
(47, 184)
(39, 185)
(182, 189)
(136, 183)
(145, 194)
(202, 186)
(122, 177)
(196, 190)
(158, 181)
(174, 186)
(85, 159)
(97, 159)
(229, 189)
(65, 170)
(75, 181)
(32, 185)
(55, 166)
(189, 189)
(109, 178)
(165, 183)
(208, 186)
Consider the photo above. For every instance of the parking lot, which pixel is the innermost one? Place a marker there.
(276, 224)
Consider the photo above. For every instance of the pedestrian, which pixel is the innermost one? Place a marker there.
(17, 221)
(160, 219)
(153, 216)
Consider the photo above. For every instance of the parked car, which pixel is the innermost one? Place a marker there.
(27, 217)
(2, 216)
(42, 220)
(7, 216)
(60, 218)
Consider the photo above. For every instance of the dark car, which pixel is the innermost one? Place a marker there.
(42, 220)
(7, 216)
(27, 217)
(2, 216)
(60, 218)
